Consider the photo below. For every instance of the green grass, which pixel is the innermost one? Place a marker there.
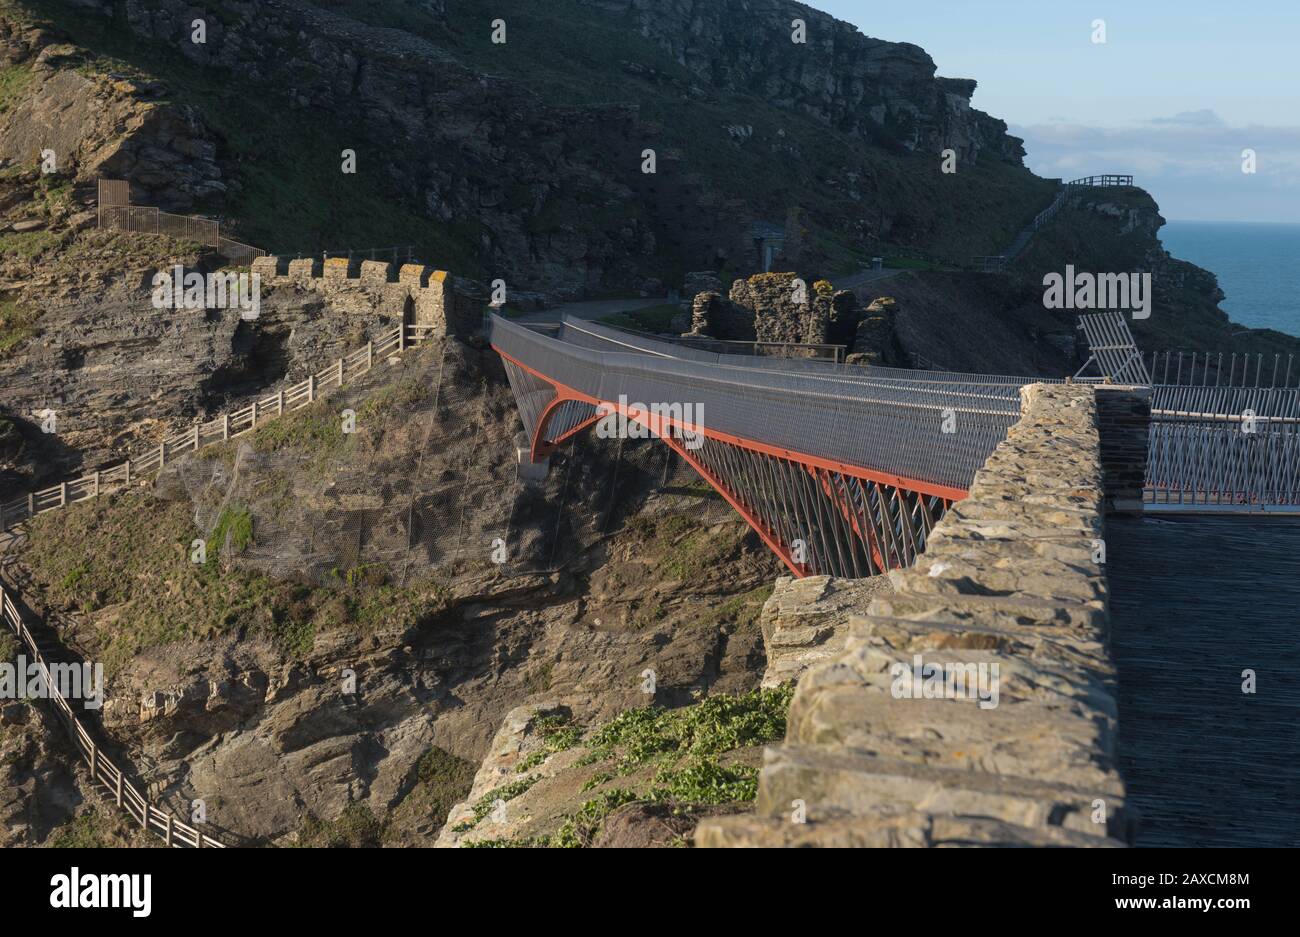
(233, 531)
(316, 429)
(17, 324)
(690, 750)
(649, 319)
(355, 828)
(129, 555)
(29, 245)
(14, 81)
(9, 644)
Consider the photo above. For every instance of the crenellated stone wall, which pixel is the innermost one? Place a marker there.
(1008, 592)
(420, 294)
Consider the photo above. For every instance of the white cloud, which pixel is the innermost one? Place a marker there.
(1191, 162)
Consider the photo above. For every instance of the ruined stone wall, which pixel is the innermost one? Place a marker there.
(1009, 580)
(826, 315)
(420, 294)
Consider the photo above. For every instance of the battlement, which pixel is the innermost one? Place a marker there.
(415, 293)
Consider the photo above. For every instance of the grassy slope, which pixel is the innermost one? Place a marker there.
(293, 196)
(125, 561)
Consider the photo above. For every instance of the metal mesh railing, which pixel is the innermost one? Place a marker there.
(934, 432)
(117, 214)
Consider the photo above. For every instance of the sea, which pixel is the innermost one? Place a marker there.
(1258, 266)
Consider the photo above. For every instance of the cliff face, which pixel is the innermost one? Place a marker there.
(509, 159)
(865, 87)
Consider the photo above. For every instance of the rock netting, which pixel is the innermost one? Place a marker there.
(1007, 580)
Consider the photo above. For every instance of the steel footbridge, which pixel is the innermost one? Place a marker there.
(844, 470)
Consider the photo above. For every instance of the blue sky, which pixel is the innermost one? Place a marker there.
(1174, 95)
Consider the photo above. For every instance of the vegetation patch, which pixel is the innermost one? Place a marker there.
(686, 758)
(558, 734)
(485, 804)
(125, 561)
(315, 429)
(14, 81)
(29, 245)
(99, 828)
(355, 828)
(233, 532)
(17, 324)
(441, 781)
(649, 319)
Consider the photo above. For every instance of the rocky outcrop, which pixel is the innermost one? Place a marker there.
(874, 340)
(553, 199)
(974, 705)
(871, 87)
(115, 368)
(97, 125)
(806, 621)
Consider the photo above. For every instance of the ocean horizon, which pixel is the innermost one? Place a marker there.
(1257, 263)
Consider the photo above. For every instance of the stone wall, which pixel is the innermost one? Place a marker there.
(421, 295)
(827, 315)
(1124, 419)
(1007, 583)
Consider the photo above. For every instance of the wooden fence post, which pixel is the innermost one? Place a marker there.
(225, 426)
(370, 355)
(31, 504)
(340, 372)
(196, 437)
(253, 424)
(279, 403)
(311, 387)
(401, 338)
(119, 788)
(162, 453)
(63, 494)
(93, 753)
(127, 466)
(96, 483)
(170, 821)
(144, 814)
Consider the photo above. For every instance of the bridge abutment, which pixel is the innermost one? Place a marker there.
(975, 704)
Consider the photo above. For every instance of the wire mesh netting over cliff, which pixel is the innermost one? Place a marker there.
(425, 485)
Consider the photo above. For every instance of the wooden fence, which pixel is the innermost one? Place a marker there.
(102, 769)
(224, 427)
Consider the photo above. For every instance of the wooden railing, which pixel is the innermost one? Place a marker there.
(1104, 180)
(227, 426)
(158, 820)
(103, 771)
